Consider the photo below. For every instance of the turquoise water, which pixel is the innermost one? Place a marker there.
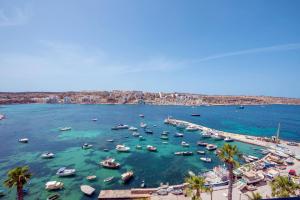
(40, 124)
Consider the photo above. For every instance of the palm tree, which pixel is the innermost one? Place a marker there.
(255, 196)
(227, 154)
(210, 190)
(18, 177)
(282, 186)
(195, 183)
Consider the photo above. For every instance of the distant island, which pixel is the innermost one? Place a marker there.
(138, 97)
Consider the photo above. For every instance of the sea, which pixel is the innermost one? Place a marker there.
(40, 123)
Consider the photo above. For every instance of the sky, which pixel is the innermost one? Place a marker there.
(210, 47)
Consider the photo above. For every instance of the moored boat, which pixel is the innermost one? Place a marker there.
(86, 146)
(191, 128)
(65, 129)
(151, 148)
(48, 155)
(201, 152)
(108, 179)
(216, 137)
(138, 147)
(87, 190)
(148, 131)
(53, 197)
(54, 185)
(141, 138)
(164, 137)
(183, 153)
(195, 115)
(91, 178)
(110, 140)
(206, 134)
(135, 134)
(203, 144)
(110, 163)
(65, 172)
(127, 176)
(165, 133)
(143, 125)
(120, 126)
(132, 128)
(185, 144)
(141, 115)
(205, 159)
(178, 135)
(228, 139)
(122, 148)
(211, 147)
(94, 119)
(23, 140)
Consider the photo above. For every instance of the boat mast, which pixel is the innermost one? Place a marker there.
(278, 131)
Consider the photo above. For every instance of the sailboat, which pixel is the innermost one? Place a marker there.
(276, 138)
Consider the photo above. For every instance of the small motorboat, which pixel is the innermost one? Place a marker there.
(265, 151)
(132, 128)
(127, 176)
(253, 157)
(183, 153)
(151, 148)
(185, 144)
(164, 137)
(110, 140)
(91, 178)
(135, 134)
(54, 185)
(148, 131)
(86, 146)
(205, 159)
(106, 150)
(138, 147)
(165, 142)
(192, 128)
(65, 129)
(120, 126)
(195, 115)
(108, 179)
(141, 115)
(228, 139)
(23, 140)
(122, 148)
(87, 190)
(165, 133)
(53, 197)
(2, 116)
(217, 137)
(143, 125)
(65, 172)
(211, 147)
(48, 155)
(94, 119)
(141, 138)
(292, 143)
(206, 135)
(241, 107)
(178, 135)
(201, 152)
(110, 163)
(203, 144)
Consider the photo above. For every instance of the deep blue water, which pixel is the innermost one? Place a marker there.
(40, 123)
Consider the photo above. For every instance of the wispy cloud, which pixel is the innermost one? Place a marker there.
(284, 47)
(14, 17)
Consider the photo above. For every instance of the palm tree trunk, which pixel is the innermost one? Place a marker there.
(198, 193)
(230, 169)
(20, 192)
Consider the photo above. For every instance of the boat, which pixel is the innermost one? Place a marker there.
(203, 144)
(132, 128)
(143, 125)
(120, 126)
(178, 135)
(110, 163)
(253, 157)
(86, 146)
(122, 148)
(2, 116)
(264, 151)
(165, 133)
(228, 139)
(23, 140)
(2, 193)
(211, 147)
(149, 131)
(201, 152)
(195, 115)
(205, 159)
(241, 107)
(65, 129)
(94, 119)
(110, 140)
(135, 134)
(138, 147)
(292, 143)
(108, 179)
(65, 172)
(151, 148)
(54, 185)
(192, 128)
(141, 138)
(165, 142)
(127, 176)
(289, 161)
(53, 197)
(48, 155)
(164, 137)
(106, 150)
(185, 144)
(143, 184)
(216, 177)
(251, 177)
(91, 178)
(247, 159)
(206, 135)
(87, 190)
(216, 137)
(183, 153)
(141, 115)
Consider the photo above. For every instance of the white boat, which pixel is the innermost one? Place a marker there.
(265, 151)
(206, 135)
(86, 146)
(94, 119)
(122, 148)
(127, 176)
(178, 135)
(110, 140)
(141, 115)
(135, 134)
(54, 185)
(108, 179)
(143, 125)
(205, 159)
(216, 137)
(24, 140)
(48, 155)
(165, 133)
(211, 147)
(65, 172)
(151, 148)
(120, 126)
(91, 178)
(138, 147)
(191, 128)
(201, 152)
(185, 144)
(65, 129)
(110, 163)
(141, 138)
(228, 139)
(2, 116)
(253, 177)
(132, 128)
(86, 189)
(253, 157)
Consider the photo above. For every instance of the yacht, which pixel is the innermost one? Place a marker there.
(143, 125)
(86, 146)
(205, 159)
(151, 148)
(132, 128)
(24, 140)
(110, 163)
(228, 139)
(54, 185)
(211, 147)
(122, 148)
(65, 172)
(120, 126)
(185, 144)
(47, 155)
(127, 176)
(65, 129)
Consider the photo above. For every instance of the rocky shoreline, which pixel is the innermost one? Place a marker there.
(138, 97)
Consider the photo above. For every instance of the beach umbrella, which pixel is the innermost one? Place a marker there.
(292, 172)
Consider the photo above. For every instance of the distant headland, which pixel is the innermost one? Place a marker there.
(138, 97)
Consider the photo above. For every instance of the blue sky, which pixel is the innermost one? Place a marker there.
(210, 47)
